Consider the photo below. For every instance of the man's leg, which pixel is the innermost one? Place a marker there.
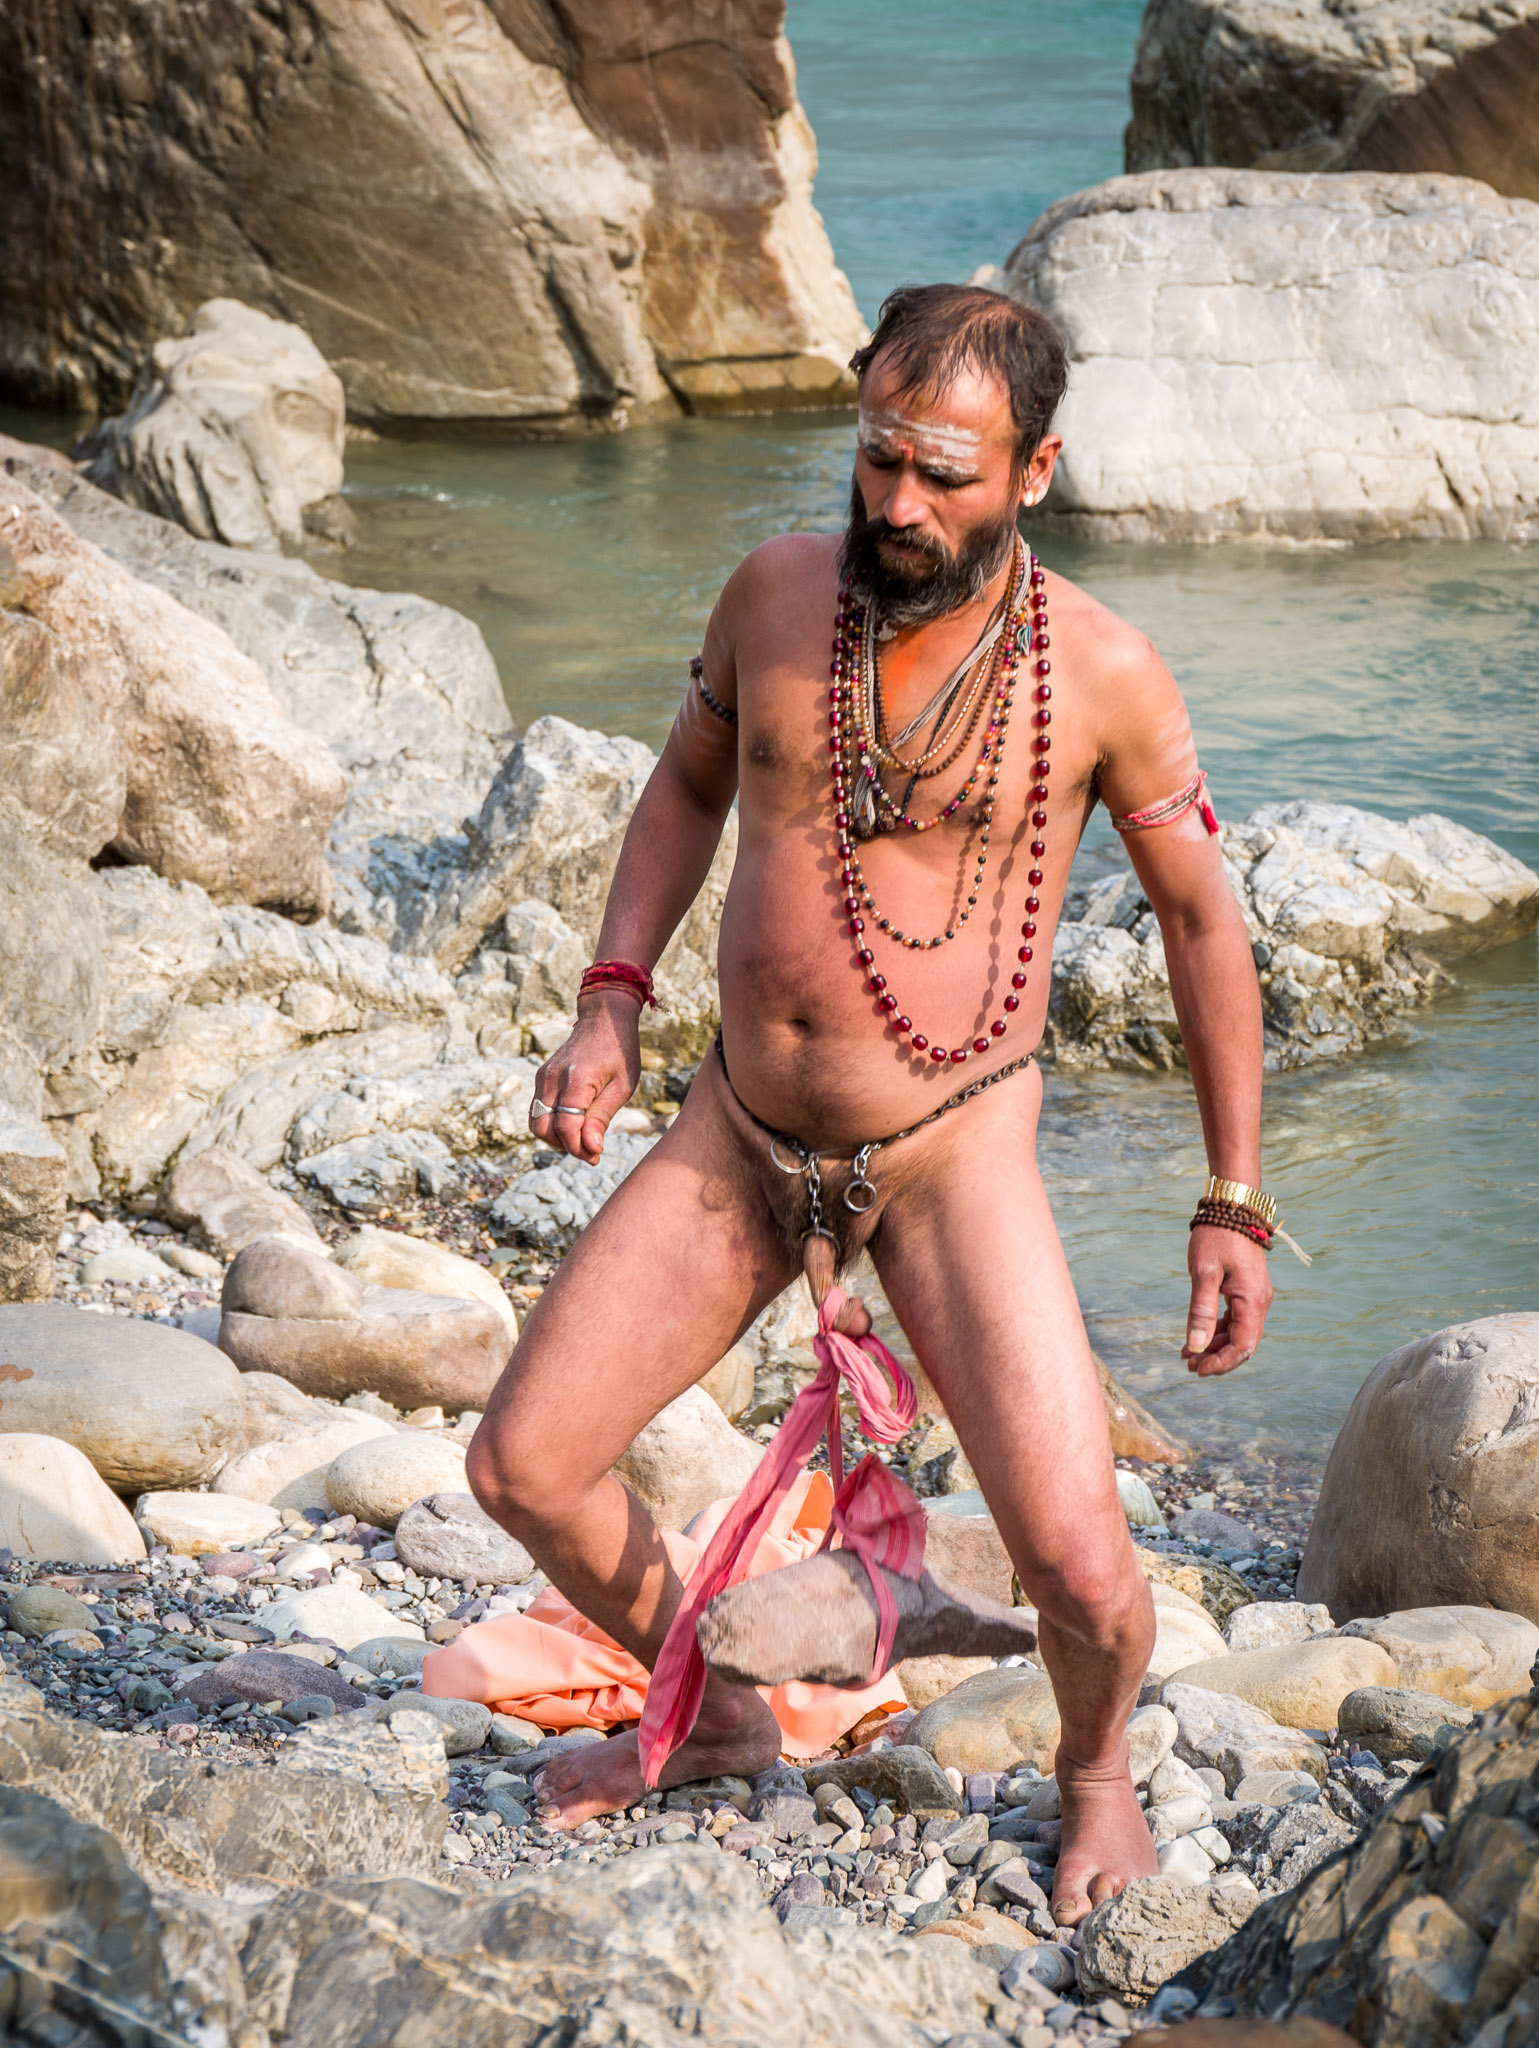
(670, 1272)
(970, 1260)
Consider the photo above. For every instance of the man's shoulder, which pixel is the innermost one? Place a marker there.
(787, 562)
(1105, 647)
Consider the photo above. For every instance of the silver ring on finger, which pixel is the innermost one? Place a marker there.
(568, 1109)
(538, 1108)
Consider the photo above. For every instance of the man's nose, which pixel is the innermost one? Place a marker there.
(906, 503)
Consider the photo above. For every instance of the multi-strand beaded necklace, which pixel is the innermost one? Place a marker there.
(852, 750)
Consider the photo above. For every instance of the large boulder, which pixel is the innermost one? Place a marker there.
(234, 429)
(1424, 1929)
(218, 787)
(1228, 371)
(1473, 1656)
(1348, 915)
(289, 1470)
(55, 1507)
(33, 1175)
(637, 188)
(1301, 1685)
(292, 1312)
(995, 1721)
(687, 1456)
(377, 1482)
(149, 1406)
(391, 1258)
(230, 1205)
(1431, 1493)
(1300, 85)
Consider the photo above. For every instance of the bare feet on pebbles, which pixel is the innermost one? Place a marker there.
(735, 1734)
(1106, 1841)
(817, 1621)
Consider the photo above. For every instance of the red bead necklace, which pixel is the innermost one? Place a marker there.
(844, 672)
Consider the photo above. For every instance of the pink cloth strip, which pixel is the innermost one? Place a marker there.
(875, 1515)
(1194, 796)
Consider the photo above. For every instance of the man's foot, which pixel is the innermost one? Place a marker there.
(817, 1621)
(736, 1733)
(1106, 1841)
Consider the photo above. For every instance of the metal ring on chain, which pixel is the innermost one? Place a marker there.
(860, 1208)
(801, 1159)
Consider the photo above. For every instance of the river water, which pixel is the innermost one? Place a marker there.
(1403, 678)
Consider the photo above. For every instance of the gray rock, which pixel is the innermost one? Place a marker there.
(1269, 1624)
(512, 1737)
(33, 1179)
(234, 429)
(1398, 1723)
(1131, 1944)
(1298, 276)
(688, 1456)
(465, 1724)
(1280, 1845)
(267, 1675)
(292, 1312)
(906, 1777)
(229, 1203)
(1225, 1734)
(1207, 1525)
(1048, 1965)
(193, 1822)
(38, 1610)
(219, 787)
(1277, 1788)
(1397, 85)
(50, 968)
(389, 1656)
(1427, 1493)
(789, 1814)
(150, 1407)
(450, 1536)
(551, 1204)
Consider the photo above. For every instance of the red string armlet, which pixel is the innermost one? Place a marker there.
(1193, 797)
(636, 981)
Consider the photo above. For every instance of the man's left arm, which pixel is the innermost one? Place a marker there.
(1217, 1003)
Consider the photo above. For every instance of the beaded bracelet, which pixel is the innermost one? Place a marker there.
(1230, 1216)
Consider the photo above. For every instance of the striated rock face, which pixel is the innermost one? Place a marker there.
(1302, 85)
(529, 214)
(234, 430)
(1348, 914)
(1424, 1930)
(1431, 1492)
(1229, 374)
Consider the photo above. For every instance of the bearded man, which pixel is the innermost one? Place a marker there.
(901, 824)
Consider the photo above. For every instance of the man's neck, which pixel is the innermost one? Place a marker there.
(916, 658)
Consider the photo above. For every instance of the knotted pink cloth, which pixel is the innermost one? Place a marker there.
(874, 1514)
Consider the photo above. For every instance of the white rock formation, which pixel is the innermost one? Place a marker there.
(1268, 353)
(234, 430)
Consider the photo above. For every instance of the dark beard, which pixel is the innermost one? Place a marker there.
(913, 593)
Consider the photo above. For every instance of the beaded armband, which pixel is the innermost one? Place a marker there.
(712, 702)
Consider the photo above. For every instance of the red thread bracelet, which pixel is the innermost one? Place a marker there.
(619, 974)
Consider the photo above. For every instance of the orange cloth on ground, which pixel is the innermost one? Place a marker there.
(553, 1666)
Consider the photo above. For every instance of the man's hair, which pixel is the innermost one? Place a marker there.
(932, 331)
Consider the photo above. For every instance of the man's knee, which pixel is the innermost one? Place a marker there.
(1099, 1597)
(523, 1481)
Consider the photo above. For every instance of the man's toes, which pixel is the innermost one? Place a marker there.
(1070, 1909)
(1104, 1886)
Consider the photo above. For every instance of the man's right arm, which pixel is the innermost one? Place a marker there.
(667, 852)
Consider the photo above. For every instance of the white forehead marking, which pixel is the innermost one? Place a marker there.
(931, 439)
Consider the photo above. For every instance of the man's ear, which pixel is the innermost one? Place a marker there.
(1039, 471)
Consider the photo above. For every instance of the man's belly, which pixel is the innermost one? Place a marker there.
(808, 1049)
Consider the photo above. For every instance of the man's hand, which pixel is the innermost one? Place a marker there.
(1223, 1263)
(594, 1074)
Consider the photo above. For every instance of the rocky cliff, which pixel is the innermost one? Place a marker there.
(1309, 85)
(478, 209)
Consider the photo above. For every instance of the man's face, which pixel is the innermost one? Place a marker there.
(935, 493)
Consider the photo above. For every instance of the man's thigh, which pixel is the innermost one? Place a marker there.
(675, 1266)
(970, 1260)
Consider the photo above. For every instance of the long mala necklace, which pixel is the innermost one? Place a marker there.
(850, 627)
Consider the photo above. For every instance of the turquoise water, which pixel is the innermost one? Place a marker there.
(1401, 678)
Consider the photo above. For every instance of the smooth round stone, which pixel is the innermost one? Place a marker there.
(451, 1536)
(511, 1736)
(465, 1724)
(389, 1656)
(378, 1481)
(341, 1614)
(55, 1507)
(195, 1265)
(1138, 1502)
(1276, 1788)
(389, 1258)
(1152, 1734)
(310, 1706)
(262, 1675)
(38, 1611)
(149, 1406)
(1185, 1860)
(84, 1641)
(125, 1262)
(230, 1564)
(1049, 1966)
